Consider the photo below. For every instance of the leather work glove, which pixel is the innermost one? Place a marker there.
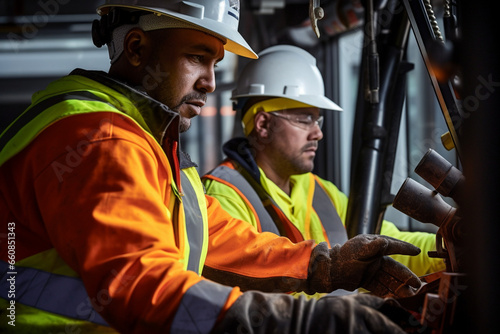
(362, 262)
(258, 312)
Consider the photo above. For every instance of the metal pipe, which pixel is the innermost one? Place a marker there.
(371, 133)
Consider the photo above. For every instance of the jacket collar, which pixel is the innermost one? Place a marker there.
(161, 120)
(239, 150)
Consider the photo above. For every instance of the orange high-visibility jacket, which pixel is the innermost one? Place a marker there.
(93, 197)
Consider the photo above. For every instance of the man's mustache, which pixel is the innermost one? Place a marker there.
(190, 97)
(313, 144)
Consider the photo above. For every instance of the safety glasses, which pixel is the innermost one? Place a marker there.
(303, 121)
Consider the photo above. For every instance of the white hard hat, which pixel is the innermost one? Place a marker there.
(283, 71)
(220, 17)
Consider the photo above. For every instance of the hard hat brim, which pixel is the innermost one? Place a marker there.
(235, 43)
(317, 101)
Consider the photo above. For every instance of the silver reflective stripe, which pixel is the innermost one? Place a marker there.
(200, 307)
(49, 292)
(239, 182)
(328, 216)
(194, 223)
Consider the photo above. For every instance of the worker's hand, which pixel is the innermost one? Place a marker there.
(363, 262)
(257, 312)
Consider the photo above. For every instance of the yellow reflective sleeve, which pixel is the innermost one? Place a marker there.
(420, 264)
(35, 321)
(48, 261)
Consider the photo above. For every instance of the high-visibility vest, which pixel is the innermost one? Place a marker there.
(270, 216)
(53, 295)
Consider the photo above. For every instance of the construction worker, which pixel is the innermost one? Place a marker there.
(107, 225)
(266, 179)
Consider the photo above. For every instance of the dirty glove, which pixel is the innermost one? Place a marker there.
(258, 312)
(362, 262)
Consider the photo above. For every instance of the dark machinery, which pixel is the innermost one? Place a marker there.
(381, 95)
(380, 103)
(464, 298)
(438, 300)
(460, 63)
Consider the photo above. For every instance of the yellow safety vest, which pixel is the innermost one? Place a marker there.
(266, 209)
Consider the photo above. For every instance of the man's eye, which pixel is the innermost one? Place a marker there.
(197, 58)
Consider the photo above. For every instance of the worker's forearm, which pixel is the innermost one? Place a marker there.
(266, 262)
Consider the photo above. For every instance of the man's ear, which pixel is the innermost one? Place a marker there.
(262, 122)
(137, 47)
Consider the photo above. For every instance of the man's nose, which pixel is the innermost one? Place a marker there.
(206, 82)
